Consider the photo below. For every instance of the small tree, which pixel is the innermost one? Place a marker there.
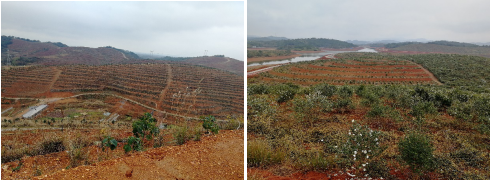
(210, 124)
(416, 150)
(145, 127)
(133, 144)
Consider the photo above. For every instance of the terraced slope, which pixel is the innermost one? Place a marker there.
(177, 88)
(349, 70)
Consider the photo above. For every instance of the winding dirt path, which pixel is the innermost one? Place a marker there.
(169, 82)
(124, 56)
(108, 94)
(55, 77)
(214, 157)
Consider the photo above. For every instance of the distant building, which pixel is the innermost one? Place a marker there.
(35, 110)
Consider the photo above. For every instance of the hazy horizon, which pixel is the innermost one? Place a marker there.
(181, 29)
(462, 21)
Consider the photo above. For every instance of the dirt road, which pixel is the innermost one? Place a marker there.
(214, 157)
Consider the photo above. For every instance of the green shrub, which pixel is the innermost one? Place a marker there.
(257, 89)
(422, 108)
(260, 106)
(345, 92)
(284, 92)
(259, 125)
(325, 89)
(181, 134)
(109, 142)
(133, 144)
(378, 111)
(344, 104)
(362, 144)
(209, 123)
(145, 127)
(416, 150)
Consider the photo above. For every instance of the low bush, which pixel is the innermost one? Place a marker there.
(209, 123)
(416, 150)
(181, 134)
(260, 154)
(133, 144)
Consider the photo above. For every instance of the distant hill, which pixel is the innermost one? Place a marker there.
(453, 43)
(224, 63)
(269, 38)
(32, 52)
(483, 51)
(302, 44)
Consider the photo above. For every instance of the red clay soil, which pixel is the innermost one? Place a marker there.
(260, 59)
(381, 79)
(255, 68)
(357, 73)
(363, 70)
(214, 157)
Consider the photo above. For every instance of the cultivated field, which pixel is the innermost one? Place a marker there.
(103, 115)
(164, 87)
(350, 69)
(367, 115)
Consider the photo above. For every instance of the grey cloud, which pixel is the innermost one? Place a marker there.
(371, 20)
(165, 27)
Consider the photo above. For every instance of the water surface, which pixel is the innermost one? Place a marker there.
(307, 57)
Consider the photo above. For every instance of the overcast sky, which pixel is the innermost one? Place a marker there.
(454, 20)
(169, 28)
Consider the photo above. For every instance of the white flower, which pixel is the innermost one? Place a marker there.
(352, 120)
(351, 175)
(367, 157)
(354, 159)
(360, 135)
(364, 169)
(376, 139)
(363, 165)
(355, 152)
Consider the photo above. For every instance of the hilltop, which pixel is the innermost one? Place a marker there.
(449, 47)
(218, 62)
(306, 44)
(32, 52)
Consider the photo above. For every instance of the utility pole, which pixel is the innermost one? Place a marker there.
(9, 61)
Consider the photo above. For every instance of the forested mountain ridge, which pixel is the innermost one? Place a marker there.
(302, 44)
(33, 52)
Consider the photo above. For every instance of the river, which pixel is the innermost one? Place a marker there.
(307, 57)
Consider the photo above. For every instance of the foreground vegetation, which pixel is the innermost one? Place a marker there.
(392, 131)
(74, 146)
